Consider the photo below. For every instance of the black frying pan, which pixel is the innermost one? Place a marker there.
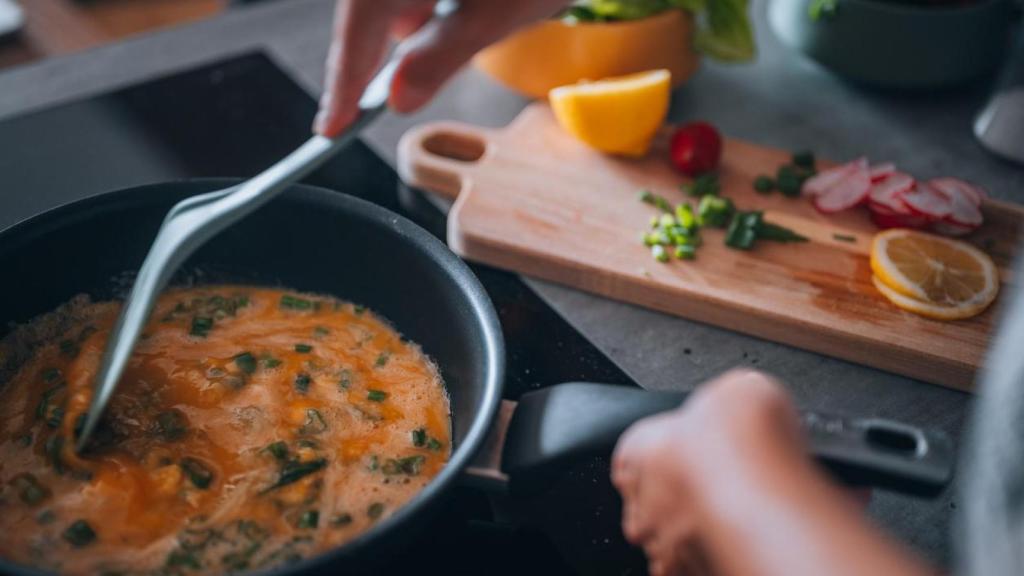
(316, 240)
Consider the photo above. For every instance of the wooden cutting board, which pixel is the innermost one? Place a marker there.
(532, 199)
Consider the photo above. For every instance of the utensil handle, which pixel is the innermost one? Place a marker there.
(315, 151)
(556, 425)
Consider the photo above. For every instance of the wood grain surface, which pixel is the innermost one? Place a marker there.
(529, 198)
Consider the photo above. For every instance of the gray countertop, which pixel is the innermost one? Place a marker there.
(781, 100)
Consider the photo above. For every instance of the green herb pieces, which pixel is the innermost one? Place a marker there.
(648, 197)
(314, 424)
(769, 231)
(409, 466)
(320, 331)
(764, 184)
(685, 217)
(289, 302)
(659, 253)
(279, 450)
(79, 534)
(29, 489)
(269, 361)
(374, 463)
(671, 229)
(182, 558)
(657, 237)
(292, 472)
(246, 362)
(358, 309)
(302, 381)
(804, 159)
(171, 425)
(419, 437)
(201, 326)
(382, 359)
(345, 379)
(375, 510)
(343, 519)
(303, 348)
(308, 519)
(68, 348)
(742, 232)
(54, 447)
(747, 227)
(50, 408)
(198, 473)
(714, 211)
(376, 395)
(789, 180)
(703, 185)
(685, 252)
(845, 238)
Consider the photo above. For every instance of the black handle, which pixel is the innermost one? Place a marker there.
(558, 424)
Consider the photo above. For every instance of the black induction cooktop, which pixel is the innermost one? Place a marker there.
(234, 118)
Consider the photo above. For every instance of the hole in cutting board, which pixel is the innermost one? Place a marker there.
(454, 146)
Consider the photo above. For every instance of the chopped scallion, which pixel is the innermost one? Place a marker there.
(375, 510)
(302, 381)
(659, 253)
(764, 184)
(198, 473)
(279, 450)
(79, 534)
(290, 302)
(308, 519)
(201, 326)
(246, 362)
(419, 437)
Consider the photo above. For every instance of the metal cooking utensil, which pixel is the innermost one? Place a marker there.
(191, 222)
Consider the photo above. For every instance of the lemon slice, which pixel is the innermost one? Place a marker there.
(927, 309)
(616, 115)
(931, 275)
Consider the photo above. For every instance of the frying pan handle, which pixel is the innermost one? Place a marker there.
(556, 425)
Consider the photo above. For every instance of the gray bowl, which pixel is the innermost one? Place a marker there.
(896, 45)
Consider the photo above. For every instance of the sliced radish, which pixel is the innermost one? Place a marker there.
(848, 192)
(950, 186)
(927, 201)
(889, 191)
(950, 228)
(962, 196)
(826, 179)
(882, 171)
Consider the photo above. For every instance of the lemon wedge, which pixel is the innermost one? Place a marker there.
(931, 275)
(617, 115)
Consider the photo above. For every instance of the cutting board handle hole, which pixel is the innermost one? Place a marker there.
(455, 146)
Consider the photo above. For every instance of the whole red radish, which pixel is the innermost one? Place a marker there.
(696, 148)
